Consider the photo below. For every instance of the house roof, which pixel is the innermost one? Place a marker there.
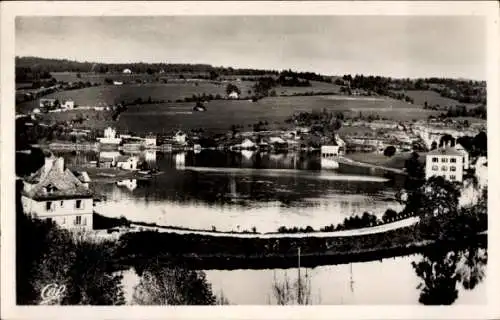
(445, 152)
(56, 182)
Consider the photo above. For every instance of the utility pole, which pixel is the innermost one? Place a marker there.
(299, 280)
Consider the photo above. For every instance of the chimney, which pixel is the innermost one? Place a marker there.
(49, 162)
(59, 164)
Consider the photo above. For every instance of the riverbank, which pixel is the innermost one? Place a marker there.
(348, 161)
(203, 252)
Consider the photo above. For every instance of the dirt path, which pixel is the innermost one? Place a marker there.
(344, 233)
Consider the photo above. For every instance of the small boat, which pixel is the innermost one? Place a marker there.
(109, 175)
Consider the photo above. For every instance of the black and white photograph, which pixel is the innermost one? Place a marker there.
(249, 160)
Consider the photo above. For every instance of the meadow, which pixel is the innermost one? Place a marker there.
(221, 114)
(168, 92)
(433, 98)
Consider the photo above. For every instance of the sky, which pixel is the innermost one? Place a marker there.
(396, 46)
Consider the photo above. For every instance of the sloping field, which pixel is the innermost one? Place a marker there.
(220, 115)
(110, 94)
(432, 98)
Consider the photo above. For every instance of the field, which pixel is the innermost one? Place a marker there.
(220, 115)
(110, 94)
(432, 98)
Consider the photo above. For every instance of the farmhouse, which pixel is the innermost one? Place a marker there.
(55, 193)
(445, 162)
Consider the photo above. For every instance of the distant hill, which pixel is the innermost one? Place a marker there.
(36, 64)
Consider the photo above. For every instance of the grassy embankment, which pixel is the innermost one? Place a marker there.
(397, 161)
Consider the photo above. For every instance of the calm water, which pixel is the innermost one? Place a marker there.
(389, 281)
(238, 191)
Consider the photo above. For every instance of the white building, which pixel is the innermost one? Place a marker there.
(110, 137)
(180, 137)
(127, 163)
(465, 155)
(68, 104)
(150, 141)
(233, 95)
(127, 71)
(482, 171)
(328, 156)
(445, 162)
(55, 193)
(247, 144)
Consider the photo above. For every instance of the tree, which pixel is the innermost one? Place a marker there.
(413, 167)
(172, 285)
(232, 88)
(389, 214)
(389, 151)
(436, 203)
(446, 140)
(213, 75)
(434, 145)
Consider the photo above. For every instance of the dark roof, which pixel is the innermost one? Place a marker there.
(444, 152)
(56, 183)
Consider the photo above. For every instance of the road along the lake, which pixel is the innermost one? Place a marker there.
(344, 233)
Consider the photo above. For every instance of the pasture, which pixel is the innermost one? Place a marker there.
(221, 114)
(433, 98)
(172, 91)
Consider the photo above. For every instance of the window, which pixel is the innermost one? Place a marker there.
(62, 204)
(84, 221)
(78, 204)
(48, 205)
(444, 160)
(444, 168)
(453, 160)
(453, 168)
(452, 177)
(435, 168)
(78, 220)
(63, 220)
(434, 159)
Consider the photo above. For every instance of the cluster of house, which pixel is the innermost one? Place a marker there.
(111, 140)
(54, 104)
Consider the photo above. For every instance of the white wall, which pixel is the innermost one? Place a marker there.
(63, 212)
(431, 166)
(329, 151)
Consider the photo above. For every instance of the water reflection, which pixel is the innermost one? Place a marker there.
(442, 271)
(388, 281)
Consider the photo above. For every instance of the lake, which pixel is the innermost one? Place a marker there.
(239, 191)
(389, 281)
(233, 191)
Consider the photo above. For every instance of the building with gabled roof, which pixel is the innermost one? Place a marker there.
(55, 193)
